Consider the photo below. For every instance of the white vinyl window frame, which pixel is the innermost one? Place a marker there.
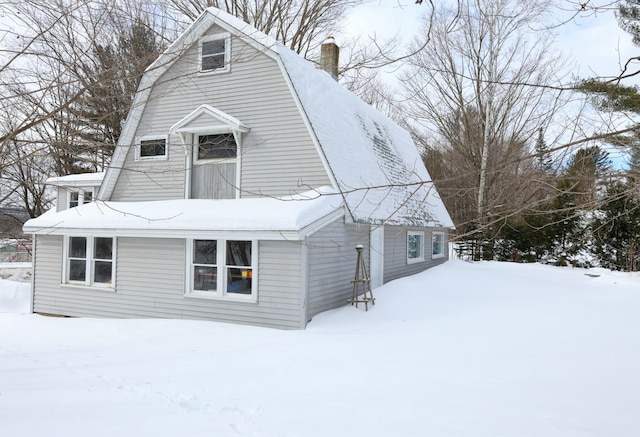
(79, 196)
(90, 260)
(437, 244)
(222, 265)
(202, 55)
(415, 247)
(138, 149)
(227, 159)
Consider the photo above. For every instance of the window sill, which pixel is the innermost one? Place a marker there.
(437, 256)
(214, 72)
(102, 288)
(152, 158)
(204, 295)
(415, 260)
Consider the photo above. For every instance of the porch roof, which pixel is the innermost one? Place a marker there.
(291, 217)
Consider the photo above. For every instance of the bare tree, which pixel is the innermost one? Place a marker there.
(481, 90)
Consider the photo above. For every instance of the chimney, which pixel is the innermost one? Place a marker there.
(329, 54)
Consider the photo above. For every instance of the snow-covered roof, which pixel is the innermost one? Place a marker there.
(291, 217)
(373, 161)
(77, 180)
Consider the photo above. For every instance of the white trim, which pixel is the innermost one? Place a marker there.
(304, 284)
(196, 149)
(376, 256)
(221, 266)
(226, 68)
(229, 122)
(441, 254)
(155, 157)
(418, 258)
(80, 191)
(89, 263)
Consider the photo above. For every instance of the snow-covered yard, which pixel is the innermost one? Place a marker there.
(488, 349)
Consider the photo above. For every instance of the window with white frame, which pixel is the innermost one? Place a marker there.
(415, 246)
(216, 146)
(437, 244)
(151, 148)
(89, 261)
(223, 268)
(80, 197)
(214, 53)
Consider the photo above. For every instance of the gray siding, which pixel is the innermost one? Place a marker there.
(332, 263)
(152, 179)
(395, 252)
(277, 155)
(61, 203)
(150, 283)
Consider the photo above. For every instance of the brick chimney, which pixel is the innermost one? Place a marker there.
(329, 54)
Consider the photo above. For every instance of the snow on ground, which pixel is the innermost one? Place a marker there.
(488, 349)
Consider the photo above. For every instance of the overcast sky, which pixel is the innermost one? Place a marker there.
(595, 43)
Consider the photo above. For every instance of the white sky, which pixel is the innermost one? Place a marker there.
(595, 44)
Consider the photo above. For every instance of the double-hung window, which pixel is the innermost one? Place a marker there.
(214, 53)
(437, 244)
(223, 268)
(80, 197)
(415, 246)
(89, 261)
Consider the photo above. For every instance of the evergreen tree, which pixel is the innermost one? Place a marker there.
(615, 230)
(542, 152)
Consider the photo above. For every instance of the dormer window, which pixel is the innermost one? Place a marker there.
(219, 146)
(214, 53)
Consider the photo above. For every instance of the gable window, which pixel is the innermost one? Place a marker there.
(219, 146)
(415, 246)
(223, 268)
(89, 261)
(155, 148)
(437, 245)
(77, 198)
(214, 53)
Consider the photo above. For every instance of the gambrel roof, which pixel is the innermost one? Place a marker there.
(370, 160)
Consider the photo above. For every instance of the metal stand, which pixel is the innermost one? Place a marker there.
(361, 278)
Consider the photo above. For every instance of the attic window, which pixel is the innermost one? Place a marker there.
(219, 146)
(153, 148)
(214, 53)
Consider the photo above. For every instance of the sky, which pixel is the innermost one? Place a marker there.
(594, 43)
(460, 350)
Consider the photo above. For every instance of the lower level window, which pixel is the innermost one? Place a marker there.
(223, 268)
(415, 246)
(437, 245)
(89, 261)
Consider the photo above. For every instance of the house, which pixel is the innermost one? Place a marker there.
(242, 182)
